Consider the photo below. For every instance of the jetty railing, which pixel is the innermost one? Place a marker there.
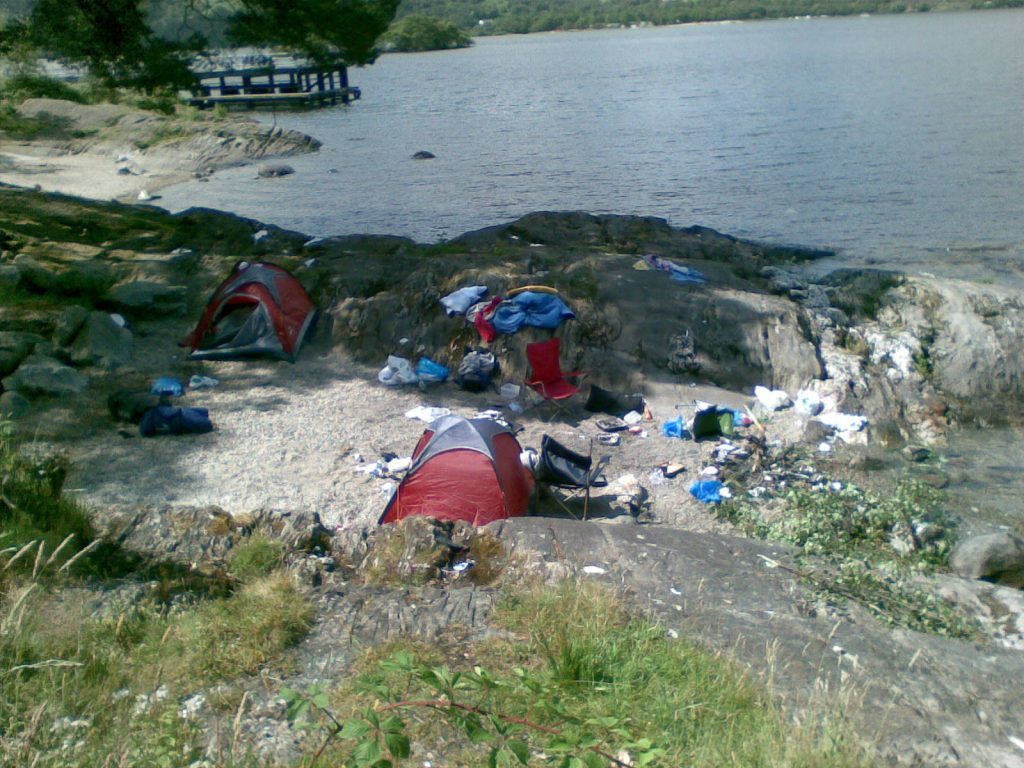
(262, 86)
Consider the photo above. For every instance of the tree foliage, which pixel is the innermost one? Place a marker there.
(148, 44)
(495, 17)
(424, 33)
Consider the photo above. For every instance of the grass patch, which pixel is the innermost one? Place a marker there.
(577, 676)
(92, 671)
(256, 556)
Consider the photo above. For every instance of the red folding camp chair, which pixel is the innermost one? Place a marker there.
(548, 379)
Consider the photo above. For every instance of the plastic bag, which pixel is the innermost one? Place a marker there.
(772, 399)
(430, 372)
(398, 371)
(675, 428)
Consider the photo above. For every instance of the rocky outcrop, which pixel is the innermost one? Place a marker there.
(908, 690)
(40, 375)
(996, 557)
(102, 342)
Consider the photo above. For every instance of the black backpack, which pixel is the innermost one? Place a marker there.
(476, 370)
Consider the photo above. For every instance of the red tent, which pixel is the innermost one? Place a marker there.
(463, 469)
(260, 310)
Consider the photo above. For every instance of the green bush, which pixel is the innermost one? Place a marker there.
(28, 86)
(424, 33)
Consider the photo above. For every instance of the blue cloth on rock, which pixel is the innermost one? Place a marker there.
(508, 318)
(543, 310)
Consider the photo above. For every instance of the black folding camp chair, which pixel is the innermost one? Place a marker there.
(560, 467)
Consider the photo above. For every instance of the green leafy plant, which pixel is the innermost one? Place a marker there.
(378, 735)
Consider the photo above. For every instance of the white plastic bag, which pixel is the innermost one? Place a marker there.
(772, 399)
(398, 371)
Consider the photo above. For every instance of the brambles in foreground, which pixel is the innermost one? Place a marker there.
(576, 681)
(865, 547)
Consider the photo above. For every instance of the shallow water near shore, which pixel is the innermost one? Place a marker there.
(895, 139)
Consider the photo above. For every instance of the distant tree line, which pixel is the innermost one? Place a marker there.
(496, 17)
(150, 44)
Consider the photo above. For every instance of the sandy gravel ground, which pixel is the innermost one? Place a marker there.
(293, 437)
(91, 175)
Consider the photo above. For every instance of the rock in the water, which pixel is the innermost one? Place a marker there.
(15, 347)
(273, 170)
(13, 405)
(424, 155)
(996, 557)
(68, 324)
(102, 342)
(45, 376)
(147, 295)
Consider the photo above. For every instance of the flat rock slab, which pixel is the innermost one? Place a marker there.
(919, 699)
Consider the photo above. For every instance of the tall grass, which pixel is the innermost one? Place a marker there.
(90, 679)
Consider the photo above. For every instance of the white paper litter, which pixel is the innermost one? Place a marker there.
(427, 413)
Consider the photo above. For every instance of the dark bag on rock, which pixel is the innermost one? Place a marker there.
(173, 420)
(614, 404)
(476, 370)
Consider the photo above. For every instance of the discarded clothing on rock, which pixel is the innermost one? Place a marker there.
(677, 272)
(543, 310)
(458, 302)
(173, 420)
(508, 318)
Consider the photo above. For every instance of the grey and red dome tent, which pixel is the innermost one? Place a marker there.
(260, 310)
(463, 469)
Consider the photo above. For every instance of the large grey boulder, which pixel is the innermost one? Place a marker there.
(13, 405)
(996, 557)
(102, 342)
(45, 376)
(15, 347)
(147, 295)
(68, 324)
(10, 275)
(82, 277)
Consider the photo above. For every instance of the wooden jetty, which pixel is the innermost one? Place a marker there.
(274, 85)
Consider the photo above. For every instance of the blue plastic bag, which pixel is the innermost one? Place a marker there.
(430, 372)
(708, 491)
(675, 428)
(167, 385)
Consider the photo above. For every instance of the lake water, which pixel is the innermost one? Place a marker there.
(896, 139)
